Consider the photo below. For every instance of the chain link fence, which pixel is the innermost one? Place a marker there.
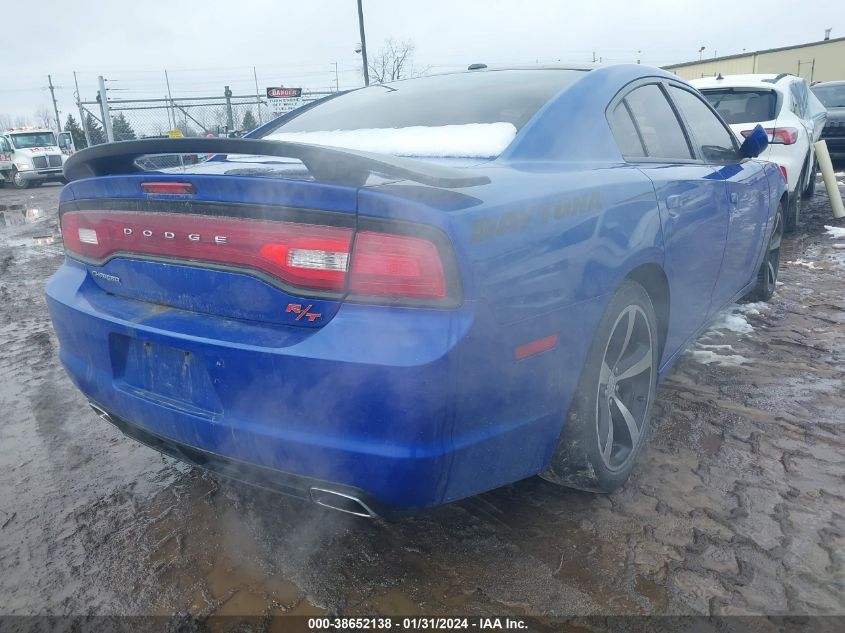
(224, 115)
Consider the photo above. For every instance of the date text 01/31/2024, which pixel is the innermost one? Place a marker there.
(416, 624)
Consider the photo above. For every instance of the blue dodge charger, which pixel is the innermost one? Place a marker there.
(411, 293)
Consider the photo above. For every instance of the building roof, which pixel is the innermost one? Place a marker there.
(749, 53)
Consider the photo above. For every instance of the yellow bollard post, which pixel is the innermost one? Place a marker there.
(829, 179)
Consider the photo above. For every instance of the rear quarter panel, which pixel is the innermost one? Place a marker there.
(540, 251)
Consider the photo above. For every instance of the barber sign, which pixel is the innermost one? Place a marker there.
(282, 100)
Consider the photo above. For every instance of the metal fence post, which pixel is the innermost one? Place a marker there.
(104, 106)
(82, 118)
(230, 123)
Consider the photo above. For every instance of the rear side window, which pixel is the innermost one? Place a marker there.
(714, 140)
(799, 98)
(625, 132)
(743, 105)
(659, 128)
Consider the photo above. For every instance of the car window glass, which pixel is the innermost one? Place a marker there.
(625, 133)
(831, 96)
(715, 142)
(511, 96)
(743, 105)
(659, 127)
(797, 100)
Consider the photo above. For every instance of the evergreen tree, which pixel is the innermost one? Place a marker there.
(76, 132)
(249, 122)
(95, 130)
(122, 129)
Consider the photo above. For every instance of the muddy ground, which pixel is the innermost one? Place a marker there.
(736, 507)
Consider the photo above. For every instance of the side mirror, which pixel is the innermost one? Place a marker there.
(755, 143)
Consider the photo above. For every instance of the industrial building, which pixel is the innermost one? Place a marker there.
(816, 61)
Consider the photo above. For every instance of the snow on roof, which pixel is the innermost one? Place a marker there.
(470, 140)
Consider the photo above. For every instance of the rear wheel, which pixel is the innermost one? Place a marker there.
(767, 276)
(607, 424)
(793, 209)
(810, 190)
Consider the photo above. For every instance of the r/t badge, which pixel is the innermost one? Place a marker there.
(303, 312)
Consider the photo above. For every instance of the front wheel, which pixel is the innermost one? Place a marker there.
(19, 181)
(607, 424)
(767, 276)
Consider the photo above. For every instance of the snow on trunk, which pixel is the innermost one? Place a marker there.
(471, 140)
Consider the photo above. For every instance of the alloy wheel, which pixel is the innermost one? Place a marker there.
(626, 379)
(773, 254)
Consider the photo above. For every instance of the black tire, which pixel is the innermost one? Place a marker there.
(793, 208)
(19, 183)
(608, 420)
(810, 191)
(767, 276)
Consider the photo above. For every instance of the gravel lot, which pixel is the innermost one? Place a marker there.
(736, 507)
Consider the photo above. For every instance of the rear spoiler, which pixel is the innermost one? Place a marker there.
(325, 163)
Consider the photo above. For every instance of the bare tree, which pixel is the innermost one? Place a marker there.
(394, 61)
(44, 117)
(5, 122)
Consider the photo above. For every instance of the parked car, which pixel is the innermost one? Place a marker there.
(381, 333)
(791, 114)
(832, 96)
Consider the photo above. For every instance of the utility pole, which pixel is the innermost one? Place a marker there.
(81, 112)
(363, 43)
(170, 98)
(230, 122)
(336, 80)
(55, 104)
(104, 107)
(257, 95)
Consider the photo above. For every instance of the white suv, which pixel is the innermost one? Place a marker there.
(791, 114)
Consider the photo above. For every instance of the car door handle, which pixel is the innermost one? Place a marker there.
(733, 197)
(673, 202)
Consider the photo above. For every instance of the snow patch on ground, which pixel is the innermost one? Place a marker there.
(731, 321)
(472, 140)
(836, 232)
(806, 264)
(708, 357)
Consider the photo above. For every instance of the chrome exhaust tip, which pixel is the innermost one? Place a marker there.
(101, 413)
(342, 502)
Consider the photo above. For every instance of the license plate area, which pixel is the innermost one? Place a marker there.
(173, 377)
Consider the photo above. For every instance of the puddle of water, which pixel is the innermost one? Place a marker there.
(17, 215)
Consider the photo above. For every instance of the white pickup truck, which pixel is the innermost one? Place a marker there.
(33, 156)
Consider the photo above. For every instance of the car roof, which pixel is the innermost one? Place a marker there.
(745, 81)
(820, 84)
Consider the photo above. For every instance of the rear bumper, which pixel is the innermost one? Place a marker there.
(410, 408)
(305, 488)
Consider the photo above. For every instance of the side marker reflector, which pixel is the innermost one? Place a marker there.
(532, 348)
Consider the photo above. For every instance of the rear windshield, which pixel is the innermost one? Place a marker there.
(743, 105)
(503, 96)
(831, 96)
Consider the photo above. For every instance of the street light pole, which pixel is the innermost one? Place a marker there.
(363, 43)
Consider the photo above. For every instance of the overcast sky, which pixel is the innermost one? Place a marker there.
(206, 44)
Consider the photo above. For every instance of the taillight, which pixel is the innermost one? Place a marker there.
(387, 265)
(303, 255)
(308, 256)
(778, 135)
(783, 171)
